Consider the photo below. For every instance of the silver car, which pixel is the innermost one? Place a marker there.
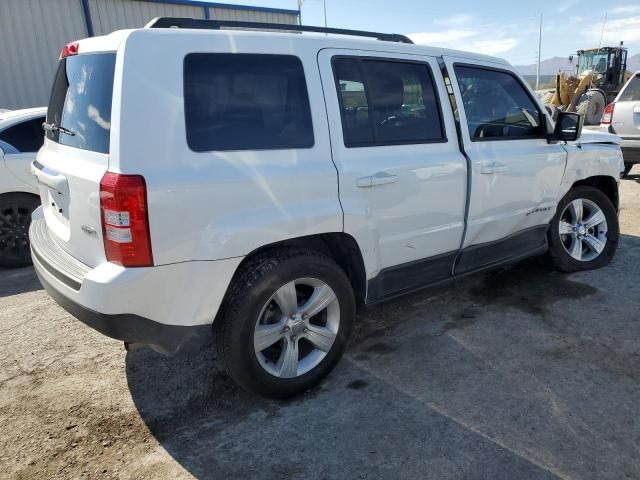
(622, 117)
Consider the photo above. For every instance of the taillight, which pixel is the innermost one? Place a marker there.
(607, 115)
(69, 49)
(125, 222)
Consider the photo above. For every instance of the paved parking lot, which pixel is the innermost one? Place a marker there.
(519, 373)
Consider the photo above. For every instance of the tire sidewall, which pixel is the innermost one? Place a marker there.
(560, 256)
(240, 352)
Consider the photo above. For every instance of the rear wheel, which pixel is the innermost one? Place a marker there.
(584, 231)
(285, 322)
(15, 218)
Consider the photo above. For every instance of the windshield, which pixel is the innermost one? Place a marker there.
(81, 101)
(593, 61)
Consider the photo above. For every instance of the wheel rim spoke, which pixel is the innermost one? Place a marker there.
(320, 299)
(321, 337)
(594, 243)
(287, 299)
(576, 209)
(576, 248)
(288, 362)
(595, 219)
(267, 335)
(566, 228)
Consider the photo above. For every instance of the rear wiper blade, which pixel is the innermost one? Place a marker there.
(52, 127)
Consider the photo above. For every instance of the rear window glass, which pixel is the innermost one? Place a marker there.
(246, 102)
(631, 92)
(81, 101)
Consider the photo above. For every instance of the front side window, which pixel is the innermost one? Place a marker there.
(496, 105)
(246, 102)
(25, 136)
(386, 102)
(81, 101)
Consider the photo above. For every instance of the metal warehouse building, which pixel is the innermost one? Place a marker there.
(32, 32)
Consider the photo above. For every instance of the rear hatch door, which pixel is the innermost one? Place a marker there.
(75, 155)
(626, 116)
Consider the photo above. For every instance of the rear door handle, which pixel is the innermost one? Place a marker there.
(494, 167)
(49, 178)
(379, 178)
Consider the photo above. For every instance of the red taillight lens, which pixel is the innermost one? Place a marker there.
(125, 222)
(607, 115)
(69, 49)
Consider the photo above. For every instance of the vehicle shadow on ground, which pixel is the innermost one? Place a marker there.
(18, 280)
(409, 400)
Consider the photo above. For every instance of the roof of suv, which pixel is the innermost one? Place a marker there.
(319, 40)
(12, 116)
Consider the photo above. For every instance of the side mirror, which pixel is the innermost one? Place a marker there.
(568, 128)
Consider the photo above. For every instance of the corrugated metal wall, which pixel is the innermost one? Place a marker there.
(252, 16)
(32, 32)
(110, 15)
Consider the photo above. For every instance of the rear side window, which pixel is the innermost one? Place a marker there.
(386, 102)
(246, 102)
(631, 93)
(496, 105)
(25, 136)
(81, 101)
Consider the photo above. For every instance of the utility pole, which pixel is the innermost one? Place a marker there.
(539, 53)
(300, 3)
(324, 3)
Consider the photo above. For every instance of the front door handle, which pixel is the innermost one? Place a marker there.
(494, 167)
(380, 178)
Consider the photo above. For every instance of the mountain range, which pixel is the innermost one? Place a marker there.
(550, 66)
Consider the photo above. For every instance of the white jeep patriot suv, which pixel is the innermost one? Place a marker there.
(265, 183)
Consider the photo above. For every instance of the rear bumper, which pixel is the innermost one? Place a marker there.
(131, 328)
(170, 307)
(630, 151)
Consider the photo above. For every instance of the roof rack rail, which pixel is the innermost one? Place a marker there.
(196, 23)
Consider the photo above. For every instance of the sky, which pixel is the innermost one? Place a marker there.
(508, 29)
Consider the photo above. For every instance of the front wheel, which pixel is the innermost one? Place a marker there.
(285, 322)
(584, 231)
(15, 218)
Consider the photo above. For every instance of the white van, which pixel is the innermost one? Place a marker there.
(267, 183)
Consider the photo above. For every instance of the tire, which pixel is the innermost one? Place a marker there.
(256, 303)
(627, 169)
(591, 105)
(15, 218)
(605, 233)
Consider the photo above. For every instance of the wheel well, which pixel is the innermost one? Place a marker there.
(606, 185)
(27, 194)
(340, 247)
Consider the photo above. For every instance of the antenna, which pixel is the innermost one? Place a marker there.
(604, 23)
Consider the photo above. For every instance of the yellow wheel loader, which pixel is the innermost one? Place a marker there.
(600, 74)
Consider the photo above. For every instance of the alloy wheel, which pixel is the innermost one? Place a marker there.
(296, 328)
(14, 233)
(583, 230)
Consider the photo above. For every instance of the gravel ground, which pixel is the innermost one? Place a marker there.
(518, 373)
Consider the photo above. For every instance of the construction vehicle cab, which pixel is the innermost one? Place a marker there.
(607, 65)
